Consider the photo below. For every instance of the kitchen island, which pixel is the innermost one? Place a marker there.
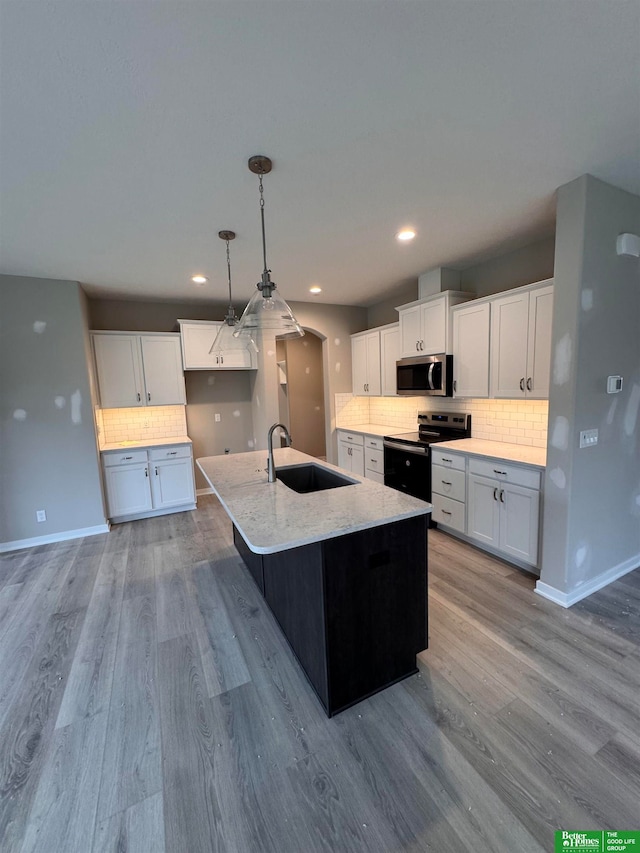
(343, 570)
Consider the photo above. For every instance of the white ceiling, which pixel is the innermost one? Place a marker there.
(126, 129)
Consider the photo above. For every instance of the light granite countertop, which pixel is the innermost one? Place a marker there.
(373, 429)
(522, 453)
(147, 442)
(271, 517)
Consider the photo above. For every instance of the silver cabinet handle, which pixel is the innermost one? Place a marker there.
(418, 345)
(522, 384)
(138, 396)
(148, 396)
(221, 359)
(444, 459)
(172, 452)
(445, 512)
(146, 472)
(495, 494)
(126, 458)
(156, 470)
(529, 384)
(501, 496)
(421, 345)
(495, 471)
(445, 483)
(455, 384)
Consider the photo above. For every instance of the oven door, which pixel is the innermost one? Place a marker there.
(407, 467)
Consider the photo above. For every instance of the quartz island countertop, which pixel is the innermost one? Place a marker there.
(271, 517)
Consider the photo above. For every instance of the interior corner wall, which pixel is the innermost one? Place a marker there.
(385, 312)
(48, 458)
(592, 495)
(534, 262)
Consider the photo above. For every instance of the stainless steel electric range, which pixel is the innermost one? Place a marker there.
(407, 459)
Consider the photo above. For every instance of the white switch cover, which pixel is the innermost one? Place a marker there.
(216, 418)
(588, 437)
(41, 515)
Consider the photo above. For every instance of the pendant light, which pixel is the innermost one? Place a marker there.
(225, 339)
(267, 310)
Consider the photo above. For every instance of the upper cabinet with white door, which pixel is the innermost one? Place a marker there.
(471, 325)
(136, 369)
(425, 325)
(373, 361)
(197, 337)
(521, 342)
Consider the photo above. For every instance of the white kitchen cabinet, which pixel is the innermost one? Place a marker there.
(471, 325)
(351, 452)
(503, 508)
(389, 354)
(521, 342)
(448, 489)
(138, 370)
(197, 337)
(374, 458)
(365, 364)
(147, 482)
(425, 325)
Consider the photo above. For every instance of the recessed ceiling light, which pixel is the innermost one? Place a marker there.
(199, 279)
(315, 289)
(405, 235)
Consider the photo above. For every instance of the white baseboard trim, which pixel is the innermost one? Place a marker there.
(566, 599)
(18, 544)
(208, 491)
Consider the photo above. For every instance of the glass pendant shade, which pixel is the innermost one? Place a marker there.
(226, 340)
(268, 313)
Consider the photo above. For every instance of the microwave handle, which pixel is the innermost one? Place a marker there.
(430, 376)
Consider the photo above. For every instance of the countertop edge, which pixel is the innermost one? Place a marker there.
(117, 446)
(504, 451)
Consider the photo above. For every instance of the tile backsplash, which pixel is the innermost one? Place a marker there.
(137, 424)
(514, 421)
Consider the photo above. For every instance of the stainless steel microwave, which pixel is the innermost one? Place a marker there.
(425, 375)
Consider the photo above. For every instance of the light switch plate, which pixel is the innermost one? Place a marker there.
(588, 437)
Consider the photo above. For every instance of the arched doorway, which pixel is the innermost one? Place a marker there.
(301, 392)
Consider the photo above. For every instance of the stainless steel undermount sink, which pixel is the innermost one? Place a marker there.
(310, 477)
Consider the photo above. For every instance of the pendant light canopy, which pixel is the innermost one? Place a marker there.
(266, 310)
(226, 340)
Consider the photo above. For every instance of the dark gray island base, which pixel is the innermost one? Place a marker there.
(353, 608)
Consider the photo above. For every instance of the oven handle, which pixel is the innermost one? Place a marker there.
(406, 448)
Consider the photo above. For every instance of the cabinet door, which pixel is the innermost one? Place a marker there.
(483, 509)
(128, 489)
(434, 327)
(471, 351)
(119, 370)
(410, 331)
(389, 354)
(344, 457)
(519, 509)
(172, 483)
(163, 376)
(359, 365)
(235, 359)
(373, 364)
(357, 459)
(539, 342)
(197, 339)
(509, 329)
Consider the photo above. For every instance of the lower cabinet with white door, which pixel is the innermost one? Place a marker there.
(489, 502)
(351, 451)
(148, 481)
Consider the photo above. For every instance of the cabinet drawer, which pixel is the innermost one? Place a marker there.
(180, 451)
(516, 474)
(350, 437)
(448, 482)
(375, 476)
(448, 512)
(448, 459)
(373, 442)
(374, 460)
(125, 457)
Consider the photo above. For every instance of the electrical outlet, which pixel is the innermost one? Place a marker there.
(588, 437)
(216, 417)
(146, 424)
(41, 515)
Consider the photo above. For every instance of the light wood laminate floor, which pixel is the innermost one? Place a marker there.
(148, 702)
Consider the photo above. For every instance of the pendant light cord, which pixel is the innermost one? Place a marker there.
(264, 238)
(231, 309)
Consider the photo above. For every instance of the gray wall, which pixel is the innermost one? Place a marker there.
(305, 389)
(522, 266)
(592, 496)
(48, 457)
(385, 312)
(148, 316)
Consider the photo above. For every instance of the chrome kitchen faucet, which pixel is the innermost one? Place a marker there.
(271, 468)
